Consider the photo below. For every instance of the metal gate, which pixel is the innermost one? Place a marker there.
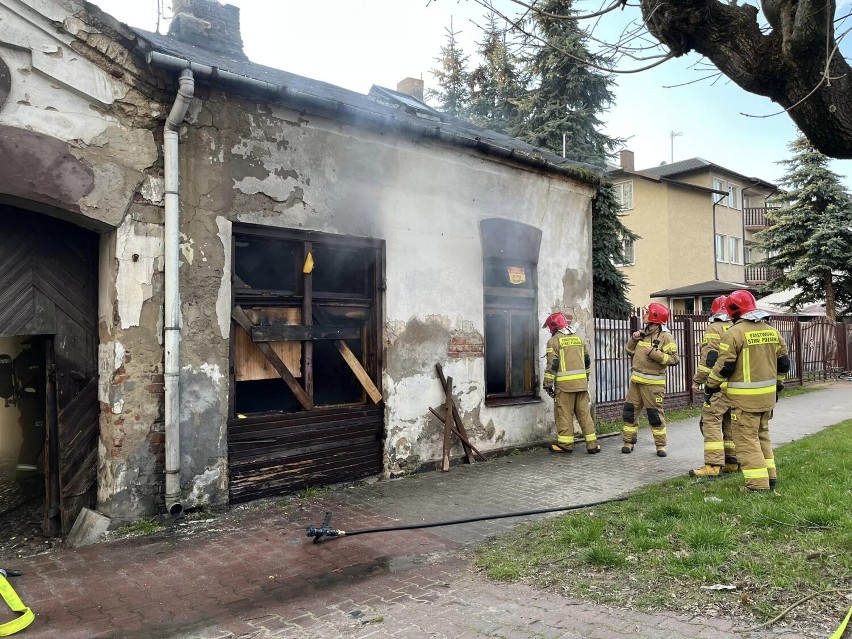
(48, 286)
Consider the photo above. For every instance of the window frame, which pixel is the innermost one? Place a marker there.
(722, 243)
(629, 255)
(735, 248)
(619, 187)
(734, 200)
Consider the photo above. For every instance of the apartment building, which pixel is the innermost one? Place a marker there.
(696, 222)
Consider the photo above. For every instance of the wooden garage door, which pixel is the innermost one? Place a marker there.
(48, 286)
(305, 401)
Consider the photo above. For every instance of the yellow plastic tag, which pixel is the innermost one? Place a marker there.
(309, 263)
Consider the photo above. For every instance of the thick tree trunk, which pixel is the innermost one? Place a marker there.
(797, 64)
(830, 303)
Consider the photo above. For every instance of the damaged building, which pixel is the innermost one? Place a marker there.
(236, 282)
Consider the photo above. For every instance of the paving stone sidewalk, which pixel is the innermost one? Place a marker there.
(253, 574)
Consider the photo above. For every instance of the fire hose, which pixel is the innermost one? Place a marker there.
(14, 602)
(325, 531)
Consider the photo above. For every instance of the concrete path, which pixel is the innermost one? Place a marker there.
(253, 574)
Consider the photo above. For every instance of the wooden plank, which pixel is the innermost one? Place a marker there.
(242, 319)
(374, 393)
(350, 359)
(448, 420)
(462, 432)
(280, 332)
(461, 437)
(249, 361)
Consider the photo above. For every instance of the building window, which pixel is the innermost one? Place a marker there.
(629, 250)
(718, 185)
(706, 305)
(735, 250)
(721, 248)
(624, 194)
(734, 196)
(510, 282)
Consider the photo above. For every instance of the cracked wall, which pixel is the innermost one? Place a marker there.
(263, 164)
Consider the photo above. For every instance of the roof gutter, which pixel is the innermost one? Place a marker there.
(328, 107)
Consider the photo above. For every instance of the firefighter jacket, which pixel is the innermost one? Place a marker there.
(568, 362)
(753, 360)
(651, 368)
(710, 350)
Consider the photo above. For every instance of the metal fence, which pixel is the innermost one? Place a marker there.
(817, 347)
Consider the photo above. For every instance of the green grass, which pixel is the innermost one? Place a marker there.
(313, 491)
(775, 548)
(138, 527)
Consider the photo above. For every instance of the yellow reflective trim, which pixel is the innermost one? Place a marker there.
(665, 359)
(714, 446)
(670, 348)
(750, 391)
(629, 352)
(644, 344)
(566, 378)
(14, 602)
(724, 347)
(755, 473)
(781, 378)
(659, 431)
(570, 340)
(704, 369)
(730, 444)
(590, 438)
(716, 377)
(631, 429)
(647, 378)
(839, 632)
(770, 463)
(550, 351)
(712, 337)
(746, 365)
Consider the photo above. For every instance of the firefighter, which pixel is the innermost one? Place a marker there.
(566, 380)
(753, 361)
(653, 349)
(719, 450)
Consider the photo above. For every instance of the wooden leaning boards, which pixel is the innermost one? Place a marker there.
(453, 424)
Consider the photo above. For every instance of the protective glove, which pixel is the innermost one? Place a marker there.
(778, 388)
(708, 393)
(550, 391)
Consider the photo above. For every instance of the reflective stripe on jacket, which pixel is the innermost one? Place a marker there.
(709, 344)
(748, 359)
(651, 368)
(566, 363)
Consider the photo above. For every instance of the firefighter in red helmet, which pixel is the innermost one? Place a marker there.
(719, 450)
(652, 350)
(566, 380)
(753, 362)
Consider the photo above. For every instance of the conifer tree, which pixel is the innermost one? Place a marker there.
(496, 82)
(810, 241)
(453, 97)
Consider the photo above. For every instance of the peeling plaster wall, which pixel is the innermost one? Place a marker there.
(263, 164)
(80, 135)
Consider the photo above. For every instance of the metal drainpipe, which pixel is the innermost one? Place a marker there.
(172, 290)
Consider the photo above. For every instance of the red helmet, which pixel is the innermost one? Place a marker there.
(555, 322)
(740, 302)
(657, 314)
(718, 305)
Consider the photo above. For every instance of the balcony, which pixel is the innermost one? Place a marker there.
(755, 218)
(760, 274)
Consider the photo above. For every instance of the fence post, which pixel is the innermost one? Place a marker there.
(800, 356)
(840, 340)
(689, 355)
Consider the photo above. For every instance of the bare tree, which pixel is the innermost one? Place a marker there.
(789, 53)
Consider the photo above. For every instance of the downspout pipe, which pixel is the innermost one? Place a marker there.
(171, 338)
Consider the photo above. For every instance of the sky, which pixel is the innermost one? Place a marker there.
(357, 43)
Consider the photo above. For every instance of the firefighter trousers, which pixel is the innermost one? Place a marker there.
(754, 448)
(568, 405)
(719, 447)
(650, 397)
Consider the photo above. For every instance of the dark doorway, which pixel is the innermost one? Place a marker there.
(48, 302)
(306, 405)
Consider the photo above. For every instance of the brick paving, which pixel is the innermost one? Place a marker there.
(253, 574)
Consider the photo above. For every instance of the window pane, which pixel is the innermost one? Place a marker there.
(266, 264)
(341, 270)
(521, 341)
(495, 353)
(706, 303)
(334, 381)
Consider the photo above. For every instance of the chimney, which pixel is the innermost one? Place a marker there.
(626, 160)
(208, 25)
(412, 87)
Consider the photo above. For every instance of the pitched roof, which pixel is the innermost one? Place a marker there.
(383, 108)
(698, 164)
(710, 287)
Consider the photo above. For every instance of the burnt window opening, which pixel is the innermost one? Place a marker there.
(312, 299)
(510, 257)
